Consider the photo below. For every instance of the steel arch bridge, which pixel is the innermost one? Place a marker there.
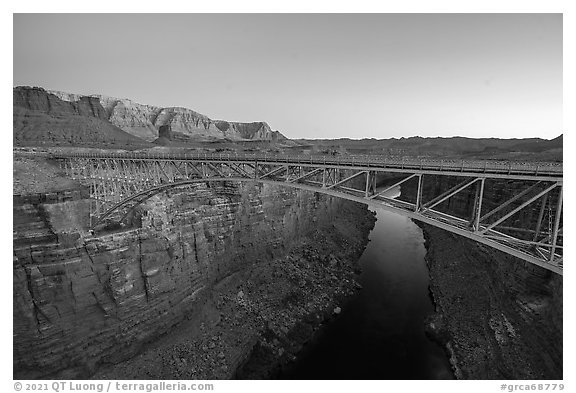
(514, 207)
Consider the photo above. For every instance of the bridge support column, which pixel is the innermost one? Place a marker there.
(419, 194)
(540, 217)
(478, 205)
(522, 206)
(368, 180)
(556, 224)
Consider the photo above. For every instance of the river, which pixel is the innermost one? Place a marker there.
(380, 332)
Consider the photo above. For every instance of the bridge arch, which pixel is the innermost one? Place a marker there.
(534, 234)
(376, 204)
(148, 193)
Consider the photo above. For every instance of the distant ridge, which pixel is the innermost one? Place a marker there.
(40, 118)
(144, 121)
(59, 118)
(483, 148)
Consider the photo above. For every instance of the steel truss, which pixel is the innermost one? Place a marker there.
(527, 224)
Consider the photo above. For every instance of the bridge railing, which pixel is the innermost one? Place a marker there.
(448, 165)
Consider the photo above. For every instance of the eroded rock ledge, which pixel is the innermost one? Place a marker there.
(498, 317)
(214, 272)
(254, 321)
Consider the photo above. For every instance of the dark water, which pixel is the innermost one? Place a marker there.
(380, 332)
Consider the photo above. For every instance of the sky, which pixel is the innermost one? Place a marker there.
(313, 75)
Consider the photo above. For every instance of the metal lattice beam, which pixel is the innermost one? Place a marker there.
(120, 181)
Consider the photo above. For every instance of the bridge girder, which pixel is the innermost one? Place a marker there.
(124, 180)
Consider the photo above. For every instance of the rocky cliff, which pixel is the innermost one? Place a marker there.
(498, 317)
(41, 118)
(144, 121)
(82, 300)
(37, 99)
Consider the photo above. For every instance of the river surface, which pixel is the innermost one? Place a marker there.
(380, 332)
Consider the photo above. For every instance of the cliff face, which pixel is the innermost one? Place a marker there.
(499, 317)
(81, 300)
(37, 99)
(42, 118)
(256, 130)
(144, 121)
(133, 118)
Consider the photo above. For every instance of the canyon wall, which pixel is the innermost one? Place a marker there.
(37, 99)
(82, 299)
(54, 116)
(144, 121)
(499, 316)
(44, 119)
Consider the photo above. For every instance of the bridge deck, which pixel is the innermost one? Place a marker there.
(501, 169)
(524, 218)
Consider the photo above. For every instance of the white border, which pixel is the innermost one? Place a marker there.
(248, 6)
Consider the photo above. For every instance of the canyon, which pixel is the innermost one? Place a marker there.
(497, 316)
(232, 280)
(85, 300)
(206, 277)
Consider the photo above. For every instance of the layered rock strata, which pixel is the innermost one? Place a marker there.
(82, 300)
(44, 119)
(144, 121)
(255, 321)
(498, 317)
(53, 116)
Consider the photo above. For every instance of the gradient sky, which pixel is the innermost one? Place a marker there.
(313, 75)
